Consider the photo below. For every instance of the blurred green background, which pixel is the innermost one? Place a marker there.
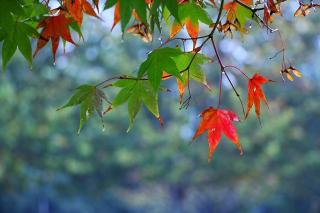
(46, 167)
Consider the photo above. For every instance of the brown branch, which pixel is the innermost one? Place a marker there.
(223, 71)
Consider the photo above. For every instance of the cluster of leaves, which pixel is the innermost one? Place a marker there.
(21, 20)
(17, 27)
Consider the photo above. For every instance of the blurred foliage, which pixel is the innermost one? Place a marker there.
(46, 167)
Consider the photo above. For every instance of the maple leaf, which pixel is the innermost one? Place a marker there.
(54, 27)
(123, 10)
(194, 73)
(190, 14)
(216, 122)
(136, 93)
(256, 94)
(158, 61)
(232, 6)
(76, 8)
(90, 99)
(237, 16)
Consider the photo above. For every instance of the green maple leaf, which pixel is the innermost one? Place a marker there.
(136, 93)
(90, 99)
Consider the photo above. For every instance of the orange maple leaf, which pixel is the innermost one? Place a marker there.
(54, 27)
(233, 5)
(117, 15)
(256, 94)
(76, 8)
(216, 122)
(192, 29)
(182, 87)
(191, 24)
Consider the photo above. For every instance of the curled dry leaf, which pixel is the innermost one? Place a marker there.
(270, 8)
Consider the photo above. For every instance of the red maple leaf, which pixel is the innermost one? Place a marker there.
(216, 122)
(256, 94)
(54, 27)
(76, 8)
